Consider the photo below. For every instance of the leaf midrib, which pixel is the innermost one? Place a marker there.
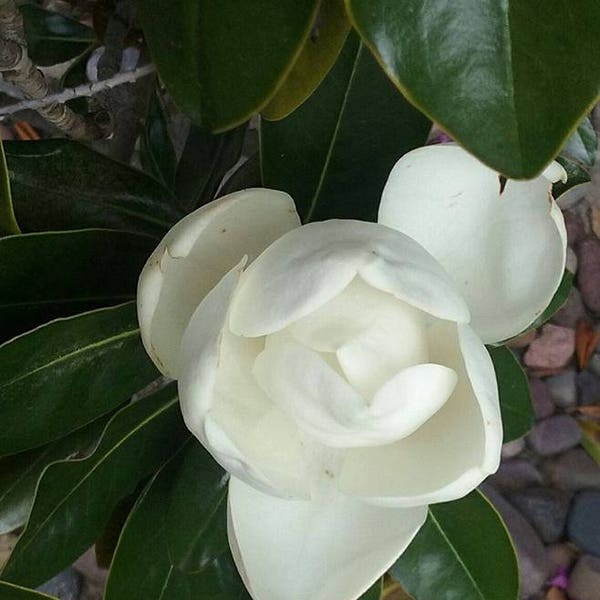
(457, 556)
(69, 355)
(101, 460)
(334, 136)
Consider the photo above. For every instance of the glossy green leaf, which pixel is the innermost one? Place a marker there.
(487, 71)
(515, 398)
(8, 223)
(19, 474)
(318, 55)
(374, 593)
(333, 154)
(205, 160)
(463, 551)
(75, 499)
(223, 61)
(62, 184)
(64, 375)
(186, 553)
(53, 38)
(157, 152)
(48, 275)
(8, 591)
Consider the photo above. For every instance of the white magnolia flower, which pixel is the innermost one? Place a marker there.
(337, 370)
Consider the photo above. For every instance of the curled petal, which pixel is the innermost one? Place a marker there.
(226, 410)
(505, 247)
(450, 454)
(309, 266)
(331, 548)
(326, 407)
(195, 254)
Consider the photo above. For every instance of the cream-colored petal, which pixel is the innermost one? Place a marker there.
(328, 409)
(308, 267)
(334, 548)
(453, 451)
(195, 254)
(226, 410)
(505, 249)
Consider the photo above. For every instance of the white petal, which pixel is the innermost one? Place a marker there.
(195, 254)
(504, 250)
(452, 452)
(311, 265)
(224, 407)
(373, 334)
(326, 407)
(332, 549)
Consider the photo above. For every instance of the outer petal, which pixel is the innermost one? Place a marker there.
(505, 250)
(224, 407)
(195, 254)
(311, 265)
(450, 454)
(331, 549)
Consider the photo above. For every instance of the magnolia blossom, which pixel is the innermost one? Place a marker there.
(338, 370)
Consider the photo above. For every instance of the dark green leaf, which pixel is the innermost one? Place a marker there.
(8, 591)
(374, 593)
(53, 38)
(48, 275)
(487, 71)
(334, 153)
(223, 61)
(75, 499)
(8, 224)
(62, 184)
(19, 474)
(515, 398)
(186, 553)
(318, 55)
(463, 551)
(205, 160)
(558, 300)
(64, 375)
(157, 152)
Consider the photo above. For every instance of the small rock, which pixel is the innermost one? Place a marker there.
(594, 364)
(595, 220)
(552, 349)
(515, 474)
(563, 389)
(512, 449)
(554, 435)
(546, 509)
(560, 556)
(589, 272)
(575, 227)
(583, 524)
(540, 398)
(534, 567)
(571, 312)
(584, 583)
(523, 340)
(588, 385)
(575, 470)
(64, 586)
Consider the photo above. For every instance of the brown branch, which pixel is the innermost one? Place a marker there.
(19, 70)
